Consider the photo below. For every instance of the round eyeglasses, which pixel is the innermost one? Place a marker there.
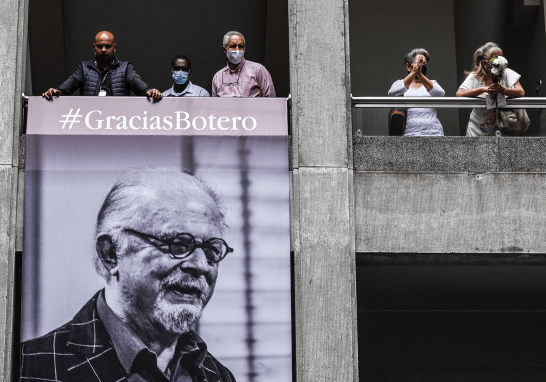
(183, 245)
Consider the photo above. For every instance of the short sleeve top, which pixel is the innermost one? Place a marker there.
(482, 122)
(509, 80)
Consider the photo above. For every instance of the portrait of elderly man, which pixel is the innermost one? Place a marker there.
(241, 78)
(158, 246)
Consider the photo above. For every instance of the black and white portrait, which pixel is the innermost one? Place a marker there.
(156, 259)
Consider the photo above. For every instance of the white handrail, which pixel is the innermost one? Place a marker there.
(445, 102)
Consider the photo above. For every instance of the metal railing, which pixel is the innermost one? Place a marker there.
(445, 102)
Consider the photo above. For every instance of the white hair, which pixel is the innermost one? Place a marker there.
(127, 204)
(232, 33)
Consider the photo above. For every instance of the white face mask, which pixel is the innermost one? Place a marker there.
(235, 56)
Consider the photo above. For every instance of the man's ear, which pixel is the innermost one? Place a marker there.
(224, 49)
(106, 250)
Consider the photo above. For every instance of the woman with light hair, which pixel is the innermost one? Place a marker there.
(419, 121)
(479, 83)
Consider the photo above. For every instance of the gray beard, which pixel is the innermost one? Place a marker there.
(180, 318)
(177, 318)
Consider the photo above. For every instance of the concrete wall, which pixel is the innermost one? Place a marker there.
(455, 195)
(461, 213)
(13, 49)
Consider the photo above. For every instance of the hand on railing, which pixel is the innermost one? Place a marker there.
(155, 94)
(51, 93)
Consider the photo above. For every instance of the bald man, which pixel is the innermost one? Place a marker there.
(105, 75)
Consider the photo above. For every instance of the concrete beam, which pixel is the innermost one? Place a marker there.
(450, 213)
(450, 154)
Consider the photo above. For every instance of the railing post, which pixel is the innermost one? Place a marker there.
(322, 192)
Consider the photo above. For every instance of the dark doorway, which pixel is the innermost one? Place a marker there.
(451, 318)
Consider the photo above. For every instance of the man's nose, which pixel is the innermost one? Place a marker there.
(196, 264)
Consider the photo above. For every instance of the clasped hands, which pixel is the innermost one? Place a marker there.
(417, 67)
(495, 89)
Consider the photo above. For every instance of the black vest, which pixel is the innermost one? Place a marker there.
(91, 78)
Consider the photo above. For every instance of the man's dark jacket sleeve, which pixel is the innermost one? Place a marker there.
(73, 82)
(134, 81)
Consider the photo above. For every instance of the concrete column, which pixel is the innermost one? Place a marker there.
(322, 192)
(13, 49)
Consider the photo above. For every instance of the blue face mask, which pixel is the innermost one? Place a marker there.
(180, 77)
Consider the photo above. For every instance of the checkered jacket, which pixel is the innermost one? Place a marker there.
(81, 351)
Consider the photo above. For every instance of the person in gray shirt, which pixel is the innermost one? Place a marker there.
(182, 86)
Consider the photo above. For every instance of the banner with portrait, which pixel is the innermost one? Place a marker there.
(93, 159)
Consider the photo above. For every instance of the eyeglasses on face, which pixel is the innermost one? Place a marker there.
(183, 245)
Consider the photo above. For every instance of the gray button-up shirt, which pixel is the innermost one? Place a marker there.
(190, 91)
